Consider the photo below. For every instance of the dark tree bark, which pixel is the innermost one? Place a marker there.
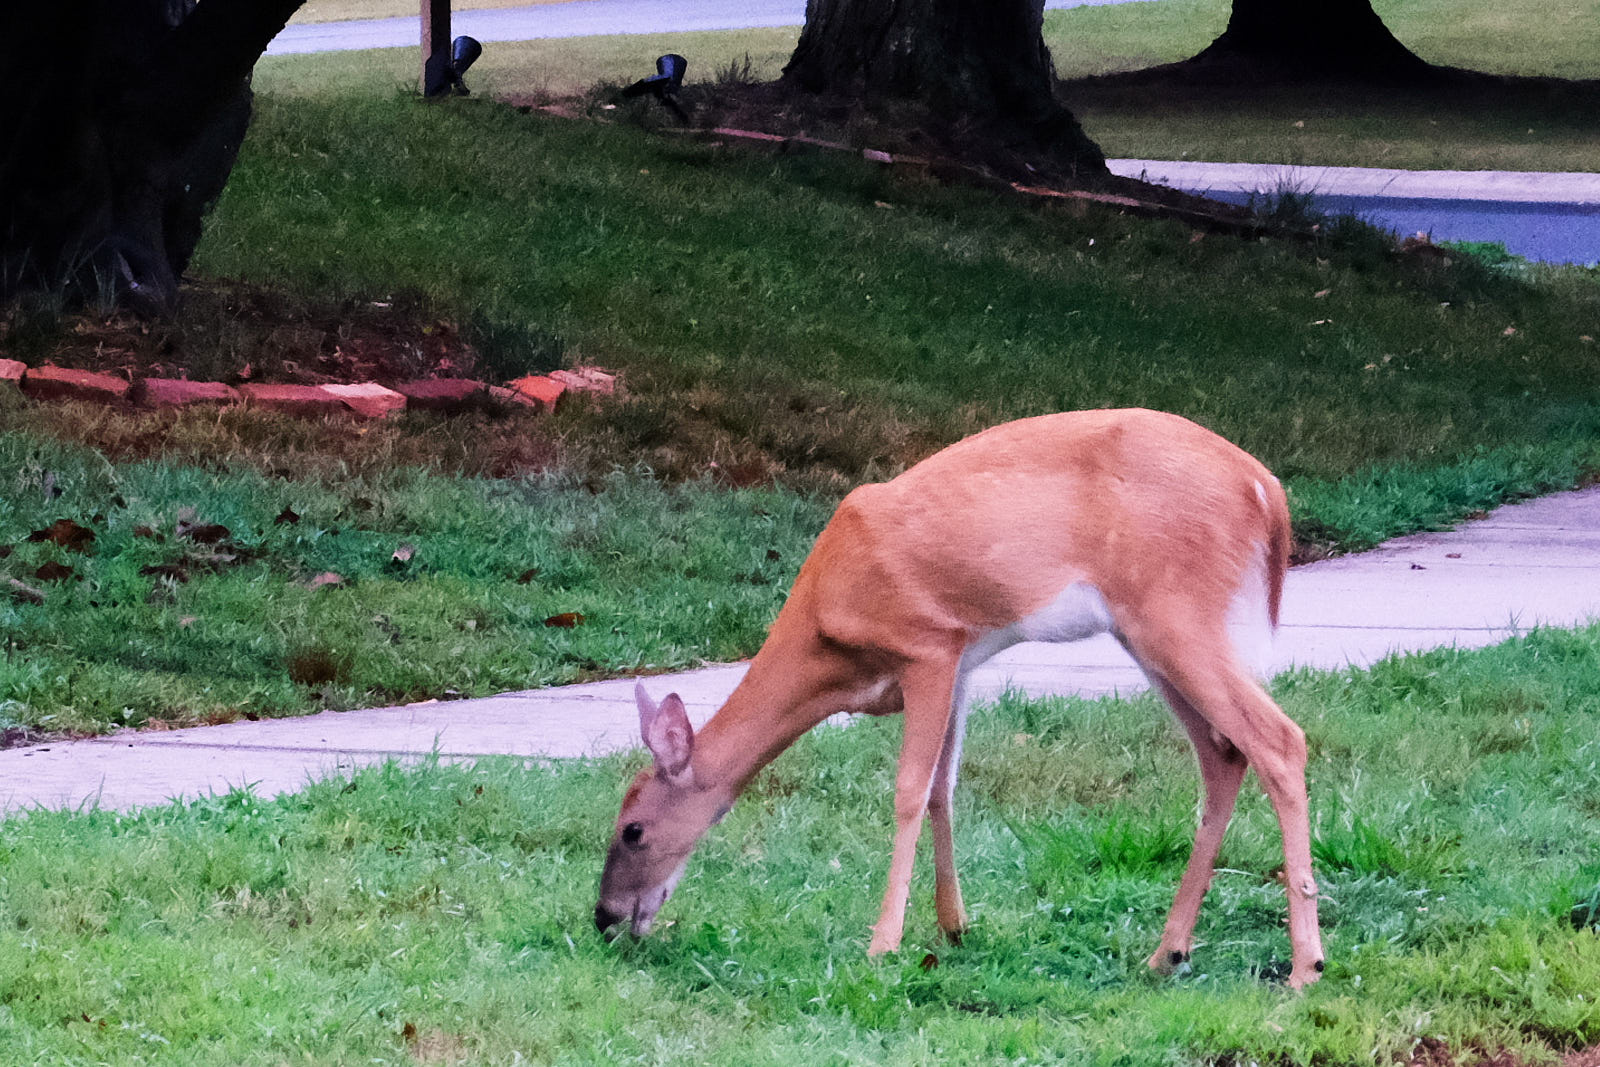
(120, 124)
(978, 64)
(1296, 40)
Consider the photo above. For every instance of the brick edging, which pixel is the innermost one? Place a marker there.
(539, 393)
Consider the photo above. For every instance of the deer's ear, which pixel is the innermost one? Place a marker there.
(668, 736)
(647, 708)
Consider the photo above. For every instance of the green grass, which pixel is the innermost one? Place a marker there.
(701, 268)
(441, 914)
(1528, 130)
(1546, 38)
(1498, 128)
(556, 66)
(154, 625)
(808, 321)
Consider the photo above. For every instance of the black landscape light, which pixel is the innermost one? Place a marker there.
(664, 85)
(464, 51)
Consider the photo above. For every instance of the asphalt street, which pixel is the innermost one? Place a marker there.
(578, 18)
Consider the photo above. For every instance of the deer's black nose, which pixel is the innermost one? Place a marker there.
(605, 919)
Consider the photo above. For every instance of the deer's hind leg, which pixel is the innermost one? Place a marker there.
(1222, 768)
(1197, 660)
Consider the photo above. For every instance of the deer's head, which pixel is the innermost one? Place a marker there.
(664, 814)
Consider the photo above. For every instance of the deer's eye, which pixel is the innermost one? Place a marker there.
(631, 834)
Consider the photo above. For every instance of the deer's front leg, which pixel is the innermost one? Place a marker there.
(928, 692)
(941, 804)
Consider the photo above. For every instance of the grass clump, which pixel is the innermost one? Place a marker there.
(408, 911)
(349, 589)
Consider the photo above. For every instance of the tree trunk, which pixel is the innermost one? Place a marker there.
(121, 123)
(976, 64)
(1302, 41)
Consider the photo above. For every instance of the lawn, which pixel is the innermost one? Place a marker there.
(441, 914)
(787, 327)
(1530, 129)
(805, 322)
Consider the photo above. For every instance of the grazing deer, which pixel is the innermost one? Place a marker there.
(1135, 523)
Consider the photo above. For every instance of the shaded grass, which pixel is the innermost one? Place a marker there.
(734, 274)
(445, 910)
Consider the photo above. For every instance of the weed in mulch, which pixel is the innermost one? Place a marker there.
(317, 665)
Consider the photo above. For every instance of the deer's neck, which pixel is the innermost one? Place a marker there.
(792, 685)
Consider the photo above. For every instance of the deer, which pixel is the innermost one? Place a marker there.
(1059, 527)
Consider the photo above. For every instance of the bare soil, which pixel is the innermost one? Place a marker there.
(235, 332)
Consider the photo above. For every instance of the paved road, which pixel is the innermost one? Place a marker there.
(580, 18)
(1545, 215)
(1536, 563)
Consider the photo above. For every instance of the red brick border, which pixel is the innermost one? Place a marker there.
(537, 392)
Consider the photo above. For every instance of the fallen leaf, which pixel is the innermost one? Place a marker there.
(203, 533)
(186, 621)
(929, 962)
(1452, 555)
(176, 571)
(287, 515)
(404, 553)
(66, 533)
(325, 578)
(566, 620)
(1509, 331)
(1320, 293)
(146, 531)
(53, 572)
(528, 575)
(1418, 567)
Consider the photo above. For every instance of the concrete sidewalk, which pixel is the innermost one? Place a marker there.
(1530, 564)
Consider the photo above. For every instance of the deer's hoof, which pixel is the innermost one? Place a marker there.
(1169, 961)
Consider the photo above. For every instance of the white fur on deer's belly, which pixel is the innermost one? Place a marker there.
(1080, 611)
(1077, 612)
